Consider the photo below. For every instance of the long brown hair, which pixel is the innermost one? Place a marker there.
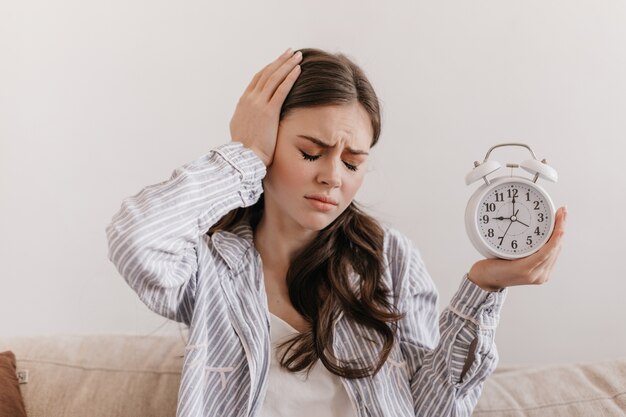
(318, 278)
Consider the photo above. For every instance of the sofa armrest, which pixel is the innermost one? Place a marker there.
(569, 390)
(99, 375)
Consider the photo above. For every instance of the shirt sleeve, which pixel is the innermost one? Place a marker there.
(152, 239)
(436, 347)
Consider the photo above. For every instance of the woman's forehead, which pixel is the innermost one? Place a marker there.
(331, 123)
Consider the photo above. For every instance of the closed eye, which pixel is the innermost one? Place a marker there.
(314, 157)
(309, 157)
(350, 166)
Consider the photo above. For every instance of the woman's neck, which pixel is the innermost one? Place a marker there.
(278, 243)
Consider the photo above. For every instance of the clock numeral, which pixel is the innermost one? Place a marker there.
(490, 206)
(486, 219)
(541, 218)
(528, 196)
(536, 205)
(529, 240)
(514, 244)
(499, 197)
(490, 232)
(512, 192)
(501, 240)
(537, 232)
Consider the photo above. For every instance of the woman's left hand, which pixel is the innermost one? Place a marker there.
(494, 274)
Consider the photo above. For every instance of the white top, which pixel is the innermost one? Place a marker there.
(292, 394)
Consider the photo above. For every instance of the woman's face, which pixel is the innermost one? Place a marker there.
(320, 152)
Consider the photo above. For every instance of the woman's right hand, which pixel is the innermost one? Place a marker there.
(256, 117)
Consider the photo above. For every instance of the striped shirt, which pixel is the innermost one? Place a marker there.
(214, 284)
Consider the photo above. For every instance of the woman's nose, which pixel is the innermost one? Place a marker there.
(330, 173)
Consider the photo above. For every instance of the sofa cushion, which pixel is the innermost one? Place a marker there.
(132, 375)
(11, 403)
(569, 390)
(99, 375)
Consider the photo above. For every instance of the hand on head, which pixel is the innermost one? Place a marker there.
(493, 274)
(256, 117)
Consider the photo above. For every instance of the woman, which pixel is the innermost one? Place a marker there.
(298, 302)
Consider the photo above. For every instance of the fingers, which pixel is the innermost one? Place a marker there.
(554, 246)
(272, 68)
(557, 234)
(557, 237)
(274, 81)
(559, 227)
(289, 68)
(257, 77)
(561, 217)
(283, 89)
(538, 265)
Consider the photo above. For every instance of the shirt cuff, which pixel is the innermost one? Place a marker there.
(250, 167)
(477, 305)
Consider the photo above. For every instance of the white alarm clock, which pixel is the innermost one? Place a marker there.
(510, 217)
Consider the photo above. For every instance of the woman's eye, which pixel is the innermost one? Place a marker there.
(314, 157)
(351, 167)
(309, 157)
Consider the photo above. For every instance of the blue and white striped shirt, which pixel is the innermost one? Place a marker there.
(158, 242)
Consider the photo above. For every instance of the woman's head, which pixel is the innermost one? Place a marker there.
(332, 79)
(328, 122)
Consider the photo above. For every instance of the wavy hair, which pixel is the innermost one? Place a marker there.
(318, 278)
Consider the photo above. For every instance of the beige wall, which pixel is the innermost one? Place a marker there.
(98, 99)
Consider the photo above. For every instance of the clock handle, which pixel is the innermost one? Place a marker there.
(534, 166)
(510, 144)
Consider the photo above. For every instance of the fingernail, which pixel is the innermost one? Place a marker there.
(287, 52)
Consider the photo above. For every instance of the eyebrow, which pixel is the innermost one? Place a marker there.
(326, 145)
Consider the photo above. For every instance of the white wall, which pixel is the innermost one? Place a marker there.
(98, 99)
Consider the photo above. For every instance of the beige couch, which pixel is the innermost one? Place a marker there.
(136, 376)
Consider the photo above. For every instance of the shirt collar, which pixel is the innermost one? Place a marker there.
(233, 244)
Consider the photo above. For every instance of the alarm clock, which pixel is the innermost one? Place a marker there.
(510, 217)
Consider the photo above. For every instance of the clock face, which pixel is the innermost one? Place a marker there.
(514, 218)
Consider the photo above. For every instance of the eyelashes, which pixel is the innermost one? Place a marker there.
(309, 157)
(314, 157)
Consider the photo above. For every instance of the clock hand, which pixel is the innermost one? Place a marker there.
(505, 218)
(507, 229)
(514, 206)
(522, 223)
(517, 220)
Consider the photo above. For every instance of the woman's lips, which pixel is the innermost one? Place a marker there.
(320, 204)
(322, 198)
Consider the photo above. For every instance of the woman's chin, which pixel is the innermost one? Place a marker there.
(315, 223)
